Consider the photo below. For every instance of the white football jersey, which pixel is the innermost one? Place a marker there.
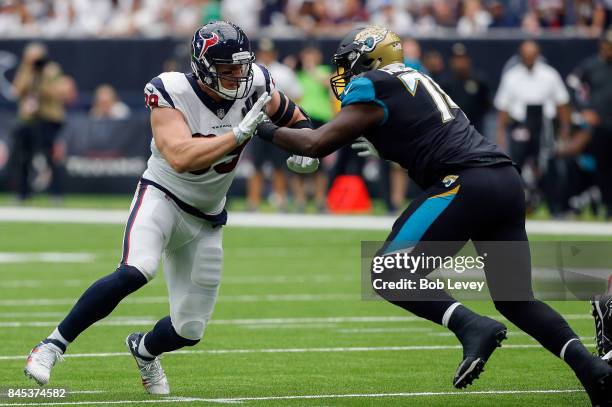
(204, 189)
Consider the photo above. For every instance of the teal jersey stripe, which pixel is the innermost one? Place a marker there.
(417, 224)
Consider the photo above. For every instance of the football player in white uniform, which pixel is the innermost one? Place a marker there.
(201, 123)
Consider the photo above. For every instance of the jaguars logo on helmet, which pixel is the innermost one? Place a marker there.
(220, 42)
(362, 50)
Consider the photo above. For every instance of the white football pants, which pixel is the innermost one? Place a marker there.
(192, 256)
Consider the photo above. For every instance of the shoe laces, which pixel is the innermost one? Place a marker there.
(152, 371)
(47, 356)
(604, 344)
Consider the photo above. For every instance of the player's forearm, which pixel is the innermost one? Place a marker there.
(197, 153)
(305, 142)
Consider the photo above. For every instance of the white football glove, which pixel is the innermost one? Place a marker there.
(302, 165)
(364, 148)
(247, 126)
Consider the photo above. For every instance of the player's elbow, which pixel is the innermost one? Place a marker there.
(178, 164)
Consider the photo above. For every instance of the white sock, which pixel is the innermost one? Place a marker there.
(142, 350)
(448, 313)
(58, 337)
(562, 353)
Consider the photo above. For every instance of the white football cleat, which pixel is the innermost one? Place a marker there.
(41, 360)
(153, 377)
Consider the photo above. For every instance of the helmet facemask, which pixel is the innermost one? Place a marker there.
(342, 77)
(208, 74)
(349, 64)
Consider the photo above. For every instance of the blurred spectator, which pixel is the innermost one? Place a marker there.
(158, 18)
(312, 17)
(576, 153)
(266, 153)
(474, 20)
(40, 90)
(434, 64)
(592, 81)
(445, 12)
(106, 104)
(602, 18)
(394, 17)
(313, 76)
(412, 54)
(531, 24)
(584, 14)
(500, 17)
(468, 89)
(244, 13)
(14, 17)
(425, 20)
(550, 13)
(531, 94)
(352, 12)
(271, 11)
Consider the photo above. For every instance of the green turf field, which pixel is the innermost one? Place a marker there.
(289, 329)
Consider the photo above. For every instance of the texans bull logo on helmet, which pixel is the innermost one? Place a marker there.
(209, 40)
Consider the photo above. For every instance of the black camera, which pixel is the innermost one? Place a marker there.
(40, 63)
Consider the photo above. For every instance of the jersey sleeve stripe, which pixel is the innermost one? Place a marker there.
(266, 76)
(159, 85)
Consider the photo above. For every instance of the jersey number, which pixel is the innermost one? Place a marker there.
(151, 100)
(443, 102)
(226, 166)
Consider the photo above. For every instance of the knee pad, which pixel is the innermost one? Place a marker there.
(192, 313)
(190, 319)
(193, 330)
(193, 310)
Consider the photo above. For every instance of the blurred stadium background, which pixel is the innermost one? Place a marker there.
(74, 138)
(83, 128)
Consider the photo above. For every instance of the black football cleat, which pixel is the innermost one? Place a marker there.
(597, 382)
(484, 335)
(602, 312)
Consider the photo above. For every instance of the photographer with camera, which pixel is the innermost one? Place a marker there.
(39, 88)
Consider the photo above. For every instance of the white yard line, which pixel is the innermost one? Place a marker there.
(291, 350)
(43, 283)
(147, 320)
(298, 397)
(46, 257)
(291, 221)
(416, 394)
(222, 298)
(26, 314)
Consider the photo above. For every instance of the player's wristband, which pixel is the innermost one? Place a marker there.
(265, 130)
